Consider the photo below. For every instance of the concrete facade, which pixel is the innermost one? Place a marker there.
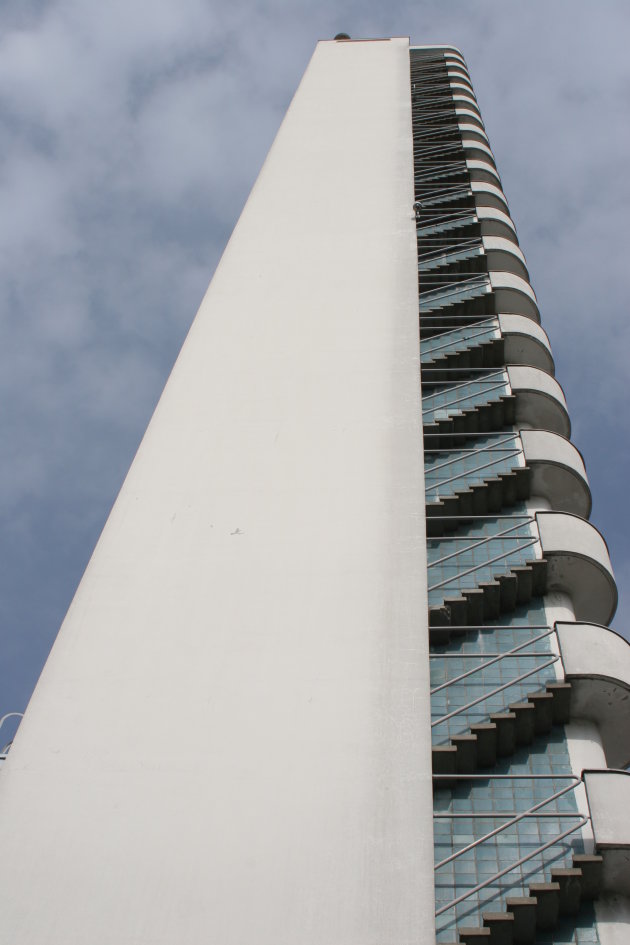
(328, 644)
(229, 742)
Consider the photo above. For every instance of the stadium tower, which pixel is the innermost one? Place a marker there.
(340, 661)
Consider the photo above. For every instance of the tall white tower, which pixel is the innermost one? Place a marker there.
(231, 741)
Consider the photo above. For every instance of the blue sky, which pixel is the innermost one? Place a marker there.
(132, 133)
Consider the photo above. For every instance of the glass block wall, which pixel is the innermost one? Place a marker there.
(506, 821)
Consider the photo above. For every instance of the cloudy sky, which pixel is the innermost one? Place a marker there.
(132, 132)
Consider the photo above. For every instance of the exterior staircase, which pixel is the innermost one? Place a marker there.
(486, 417)
(547, 903)
(493, 494)
(504, 733)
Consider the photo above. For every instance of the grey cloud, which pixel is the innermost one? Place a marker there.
(131, 135)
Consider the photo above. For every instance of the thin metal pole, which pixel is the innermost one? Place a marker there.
(477, 544)
(508, 824)
(491, 662)
(490, 561)
(513, 866)
(460, 400)
(494, 692)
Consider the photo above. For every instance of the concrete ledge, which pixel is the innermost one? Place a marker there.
(558, 472)
(489, 195)
(540, 400)
(453, 52)
(464, 101)
(478, 150)
(504, 256)
(482, 170)
(579, 565)
(608, 795)
(495, 222)
(463, 92)
(457, 75)
(526, 343)
(466, 114)
(597, 664)
(514, 294)
(472, 132)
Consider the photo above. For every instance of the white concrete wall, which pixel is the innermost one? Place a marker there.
(609, 799)
(230, 741)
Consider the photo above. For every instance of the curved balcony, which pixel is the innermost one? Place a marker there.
(468, 115)
(478, 151)
(597, 664)
(557, 472)
(456, 74)
(489, 195)
(473, 133)
(504, 256)
(514, 295)
(525, 342)
(464, 89)
(540, 402)
(496, 223)
(608, 794)
(483, 172)
(578, 565)
(465, 101)
(452, 52)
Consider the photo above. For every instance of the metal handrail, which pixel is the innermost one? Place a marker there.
(494, 692)
(472, 452)
(10, 715)
(482, 541)
(510, 823)
(500, 372)
(513, 866)
(490, 322)
(486, 626)
(457, 193)
(461, 400)
(446, 216)
(496, 659)
(478, 469)
(477, 567)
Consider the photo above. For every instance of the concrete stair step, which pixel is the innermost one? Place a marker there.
(470, 936)
(591, 865)
(561, 692)
(525, 725)
(493, 494)
(453, 313)
(509, 591)
(523, 908)
(543, 716)
(459, 364)
(489, 599)
(560, 896)
(506, 732)
(569, 881)
(483, 743)
(483, 418)
(466, 746)
(547, 896)
(501, 925)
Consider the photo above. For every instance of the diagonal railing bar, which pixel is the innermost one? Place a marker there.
(496, 659)
(477, 469)
(494, 692)
(477, 567)
(482, 541)
(512, 866)
(510, 823)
